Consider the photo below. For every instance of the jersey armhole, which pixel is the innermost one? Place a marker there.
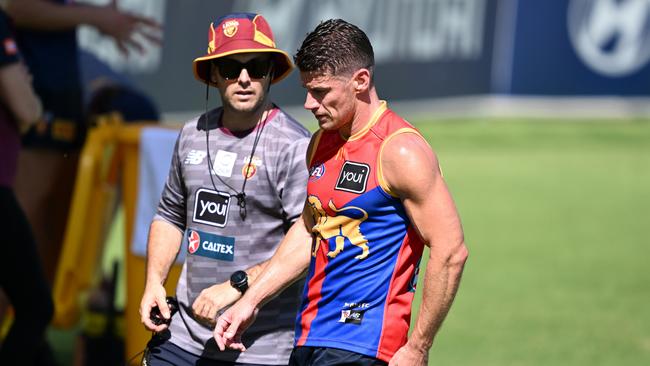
(380, 173)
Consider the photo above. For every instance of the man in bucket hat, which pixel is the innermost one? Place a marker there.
(236, 183)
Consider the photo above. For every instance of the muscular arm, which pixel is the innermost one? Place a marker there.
(411, 170)
(162, 248)
(288, 264)
(18, 95)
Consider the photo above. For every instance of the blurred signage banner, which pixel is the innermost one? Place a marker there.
(423, 48)
(577, 47)
(611, 37)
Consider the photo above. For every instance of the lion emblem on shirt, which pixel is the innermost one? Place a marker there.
(345, 225)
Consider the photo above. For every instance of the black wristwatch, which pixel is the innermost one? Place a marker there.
(239, 280)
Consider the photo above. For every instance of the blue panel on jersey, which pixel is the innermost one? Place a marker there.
(354, 290)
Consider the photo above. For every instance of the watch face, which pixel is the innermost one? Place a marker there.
(239, 279)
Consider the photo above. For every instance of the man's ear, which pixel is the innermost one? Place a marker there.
(361, 80)
(212, 73)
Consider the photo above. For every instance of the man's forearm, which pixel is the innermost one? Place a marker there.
(163, 246)
(288, 264)
(441, 281)
(254, 271)
(18, 95)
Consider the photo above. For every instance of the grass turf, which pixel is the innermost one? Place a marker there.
(556, 216)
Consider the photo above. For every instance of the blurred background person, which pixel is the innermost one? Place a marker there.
(46, 33)
(21, 274)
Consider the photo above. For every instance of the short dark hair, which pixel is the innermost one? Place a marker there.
(336, 47)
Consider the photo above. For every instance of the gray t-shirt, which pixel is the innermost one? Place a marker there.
(217, 240)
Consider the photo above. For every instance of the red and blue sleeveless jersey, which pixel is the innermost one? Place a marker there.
(366, 252)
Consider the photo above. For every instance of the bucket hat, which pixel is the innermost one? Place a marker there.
(241, 33)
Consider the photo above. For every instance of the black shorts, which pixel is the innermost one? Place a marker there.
(161, 352)
(323, 356)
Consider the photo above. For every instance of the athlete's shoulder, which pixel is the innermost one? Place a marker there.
(394, 120)
(389, 123)
(400, 136)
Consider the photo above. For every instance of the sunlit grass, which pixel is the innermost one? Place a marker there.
(556, 215)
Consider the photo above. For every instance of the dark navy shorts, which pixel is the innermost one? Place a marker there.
(322, 356)
(164, 353)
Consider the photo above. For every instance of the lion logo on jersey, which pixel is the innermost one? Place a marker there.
(345, 225)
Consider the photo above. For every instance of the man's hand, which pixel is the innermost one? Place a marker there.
(128, 30)
(213, 299)
(410, 356)
(232, 324)
(124, 27)
(154, 295)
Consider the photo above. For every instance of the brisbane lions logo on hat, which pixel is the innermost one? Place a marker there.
(230, 28)
(193, 241)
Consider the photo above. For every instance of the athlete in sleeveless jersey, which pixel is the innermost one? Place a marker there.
(363, 239)
(375, 198)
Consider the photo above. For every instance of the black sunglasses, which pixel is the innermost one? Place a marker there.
(230, 69)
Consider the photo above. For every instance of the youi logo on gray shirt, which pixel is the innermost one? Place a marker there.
(353, 177)
(211, 208)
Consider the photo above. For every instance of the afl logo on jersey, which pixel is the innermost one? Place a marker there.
(193, 241)
(353, 177)
(316, 172)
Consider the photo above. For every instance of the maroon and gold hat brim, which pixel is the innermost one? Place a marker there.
(241, 33)
(282, 61)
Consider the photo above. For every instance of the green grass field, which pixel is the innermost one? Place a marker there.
(556, 216)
